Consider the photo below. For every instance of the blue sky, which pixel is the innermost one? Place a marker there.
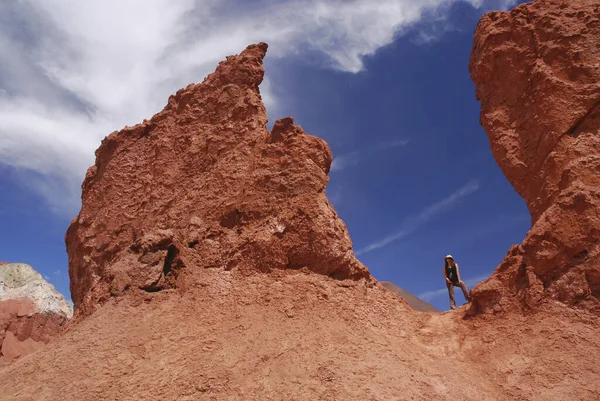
(385, 83)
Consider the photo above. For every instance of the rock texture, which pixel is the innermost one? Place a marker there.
(204, 185)
(413, 301)
(31, 311)
(537, 72)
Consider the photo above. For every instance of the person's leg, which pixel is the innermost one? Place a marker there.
(465, 291)
(451, 295)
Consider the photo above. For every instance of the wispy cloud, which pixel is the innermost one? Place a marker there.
(334, 194)
(391, 144)
(413, 223)
(431, 295)
(71, 72)
(353, 158)
(341, 162)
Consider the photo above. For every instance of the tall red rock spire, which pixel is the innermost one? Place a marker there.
(204, 185)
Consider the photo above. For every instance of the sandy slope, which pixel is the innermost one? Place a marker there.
(413, 301)
(295, 336)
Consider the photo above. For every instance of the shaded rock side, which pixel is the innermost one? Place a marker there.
(413, 301)
(32, 312)
(537, 73)
(205, 185)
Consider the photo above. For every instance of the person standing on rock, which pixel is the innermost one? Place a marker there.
(452, 277)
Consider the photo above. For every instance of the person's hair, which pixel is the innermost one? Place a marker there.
(452, 262)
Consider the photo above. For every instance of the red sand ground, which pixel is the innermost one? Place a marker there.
(295, 336)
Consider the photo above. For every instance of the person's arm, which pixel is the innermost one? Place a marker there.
(445, 277)
(457, 273)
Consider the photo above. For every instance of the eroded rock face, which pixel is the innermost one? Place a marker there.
(31, 311)
(204, 185)
(537, 72)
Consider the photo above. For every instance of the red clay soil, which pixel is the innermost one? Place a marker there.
(207, 264)
(413, 301)
(300, 336)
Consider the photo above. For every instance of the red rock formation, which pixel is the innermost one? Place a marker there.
(204, 185)
(537, 72)
(23, 329)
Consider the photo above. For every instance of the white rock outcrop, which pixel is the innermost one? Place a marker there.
(19, 280)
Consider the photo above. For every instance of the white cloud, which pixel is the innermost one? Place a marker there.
(73, 71)
(431, 295)
(340, 163)
(344, 161)
(391, 144)
(413, 223)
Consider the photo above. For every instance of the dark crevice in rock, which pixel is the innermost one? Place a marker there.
(580, 257)
(231, 219)
(574, 130)
(338, 275)
(161, 282)
(213, 235)
(593, 279)
(172, 252)
(152, 288)
(522, 279)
